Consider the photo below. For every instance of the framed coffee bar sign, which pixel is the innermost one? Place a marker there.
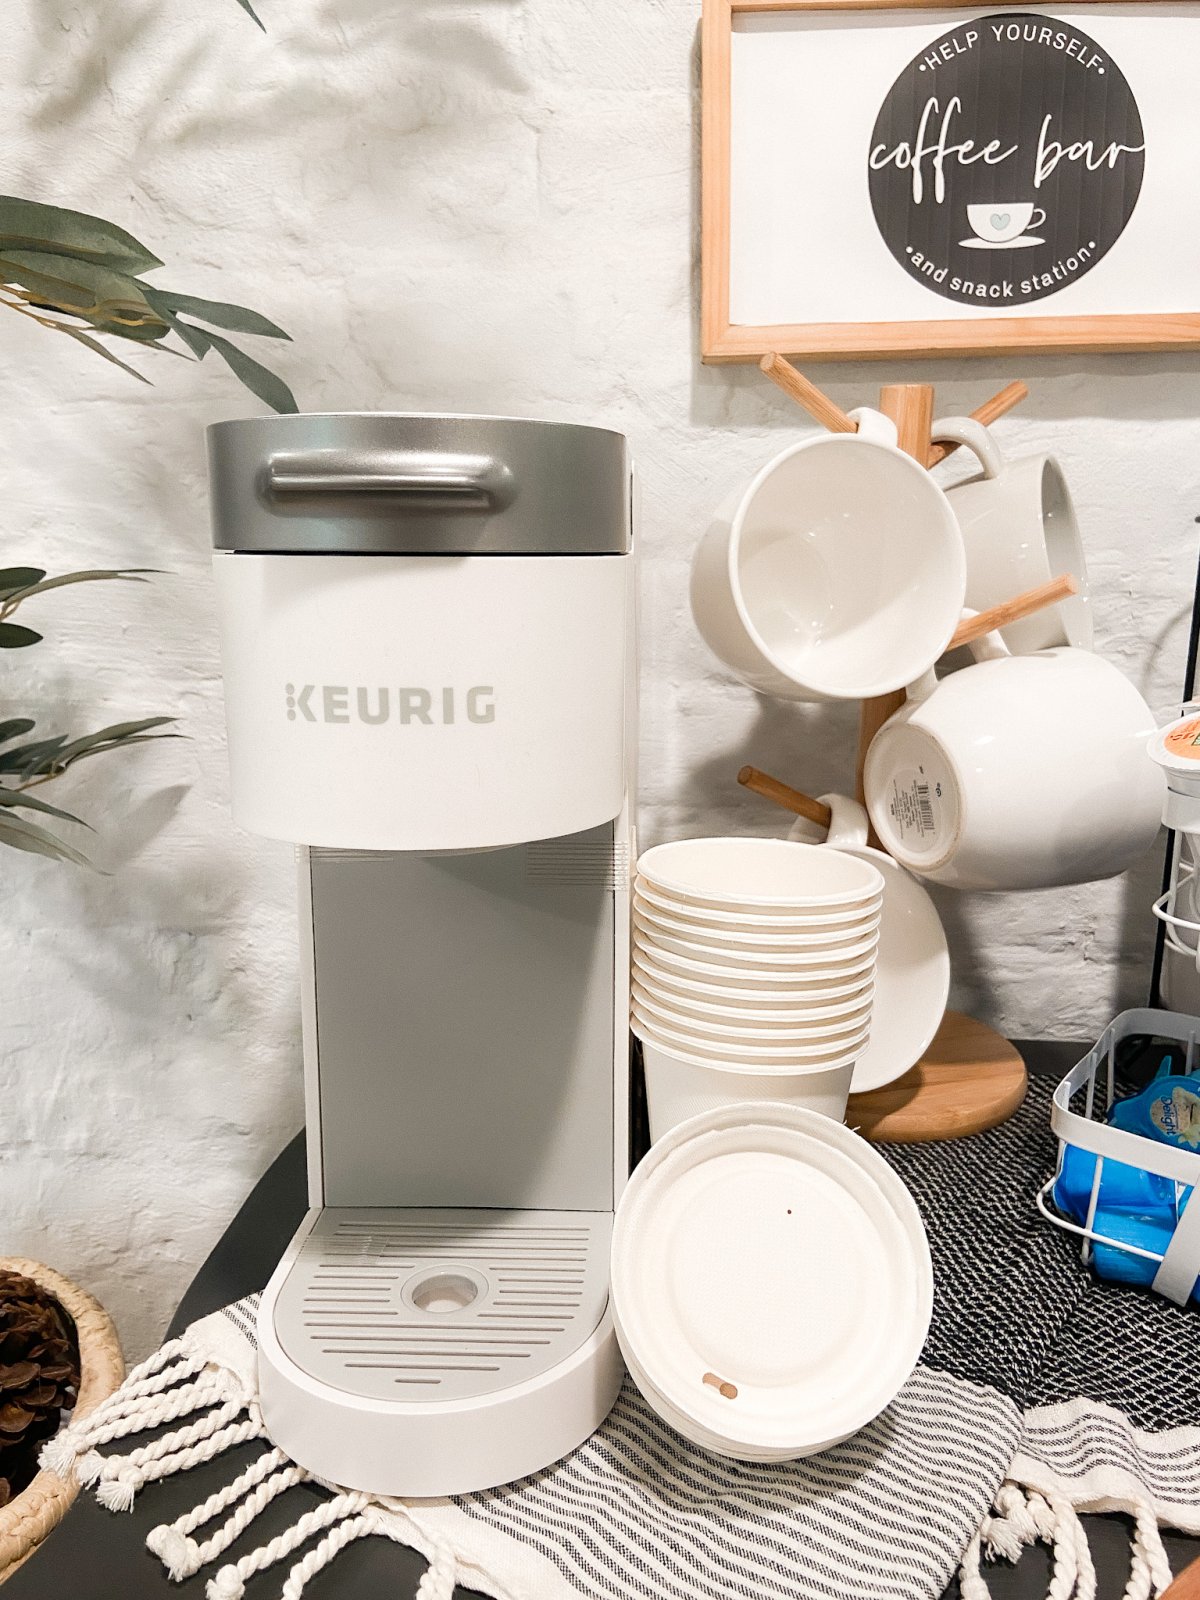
(892, 179)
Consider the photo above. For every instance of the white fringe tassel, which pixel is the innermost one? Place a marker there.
(1023, 1517)
(177, 1383)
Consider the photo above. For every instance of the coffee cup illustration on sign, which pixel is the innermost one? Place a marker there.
(1000, 225)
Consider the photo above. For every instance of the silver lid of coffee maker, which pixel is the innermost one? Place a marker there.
(376, 483)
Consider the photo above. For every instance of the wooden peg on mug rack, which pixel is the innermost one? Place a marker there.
(818, 405)
(970, 1078)
(800, 805)
(910, 406)
(1021, 605)
(990, 411)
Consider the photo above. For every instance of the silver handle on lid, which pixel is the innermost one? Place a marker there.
(431, 479)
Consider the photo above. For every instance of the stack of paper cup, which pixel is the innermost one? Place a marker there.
(753, 973)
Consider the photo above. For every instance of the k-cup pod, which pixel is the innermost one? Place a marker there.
(1019, 530)
(1018, 772)
(838, 574)
(771, 1283)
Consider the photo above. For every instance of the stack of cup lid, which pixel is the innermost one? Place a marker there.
(771, 1283)
(753, 973)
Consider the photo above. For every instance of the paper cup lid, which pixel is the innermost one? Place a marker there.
(771, 1281)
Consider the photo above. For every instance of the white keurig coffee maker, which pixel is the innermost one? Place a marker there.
(427, 637)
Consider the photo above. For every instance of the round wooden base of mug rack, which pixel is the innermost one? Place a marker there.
(970, 1078)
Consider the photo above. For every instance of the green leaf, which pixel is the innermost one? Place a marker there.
(196, 339)
(26, 759)
(116, 733)
(14, 578)
(238, 319)
(14, 727)
(43, 584)
(20, 797)
(250, 12)
(40, 757)
(106, 297)
(22, 834)
(29, 225)
(14, 637)
(94, 344)
(257, 378)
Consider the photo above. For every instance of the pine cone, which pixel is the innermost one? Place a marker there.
(39, 1376)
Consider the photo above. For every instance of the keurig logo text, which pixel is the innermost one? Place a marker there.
(1006, 160)
(340, 702)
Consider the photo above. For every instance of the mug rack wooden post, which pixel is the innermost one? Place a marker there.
(971, 1077)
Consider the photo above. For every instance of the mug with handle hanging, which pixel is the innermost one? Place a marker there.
(838, 574)
(1018, 772)
(1019, 530)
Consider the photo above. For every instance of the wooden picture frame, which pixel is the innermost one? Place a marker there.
(725, 341)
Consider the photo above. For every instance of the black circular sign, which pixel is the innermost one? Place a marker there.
(1006, 160)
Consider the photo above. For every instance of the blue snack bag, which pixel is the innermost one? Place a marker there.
(1133, 1206)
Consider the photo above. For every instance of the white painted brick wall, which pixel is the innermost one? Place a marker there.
(467, 206)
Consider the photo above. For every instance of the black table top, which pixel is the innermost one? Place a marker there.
(101, 1555)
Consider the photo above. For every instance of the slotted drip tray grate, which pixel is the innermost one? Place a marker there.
(401, 1304)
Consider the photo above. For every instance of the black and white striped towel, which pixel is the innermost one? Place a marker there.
(1041, 1393)
(636, 1513)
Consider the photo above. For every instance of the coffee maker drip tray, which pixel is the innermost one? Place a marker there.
(429, 1305)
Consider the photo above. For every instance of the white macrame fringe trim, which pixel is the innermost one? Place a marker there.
(177, 1383)
(215, 1412)
(1023, 1516)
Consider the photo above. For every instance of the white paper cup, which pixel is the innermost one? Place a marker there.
(662, 902)
(746, 1028)
(756, 938)
(757, 874)
(778, 982)
(802, 960)
(714, 1007)
(809, 998)
(678, 1088)
(754, 1054)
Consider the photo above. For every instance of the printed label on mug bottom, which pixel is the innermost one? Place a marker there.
(921, 809)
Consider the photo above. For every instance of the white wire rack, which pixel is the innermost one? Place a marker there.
(1091, 1088)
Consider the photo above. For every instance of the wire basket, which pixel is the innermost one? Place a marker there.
(1081, 1102)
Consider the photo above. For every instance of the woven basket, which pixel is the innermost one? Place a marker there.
(41, 1505)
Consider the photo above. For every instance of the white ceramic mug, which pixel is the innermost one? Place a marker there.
(1019, 530)
(837, 575)
(912, 975)
(1019, 772)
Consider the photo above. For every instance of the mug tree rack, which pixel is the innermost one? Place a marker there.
(971, 1077)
